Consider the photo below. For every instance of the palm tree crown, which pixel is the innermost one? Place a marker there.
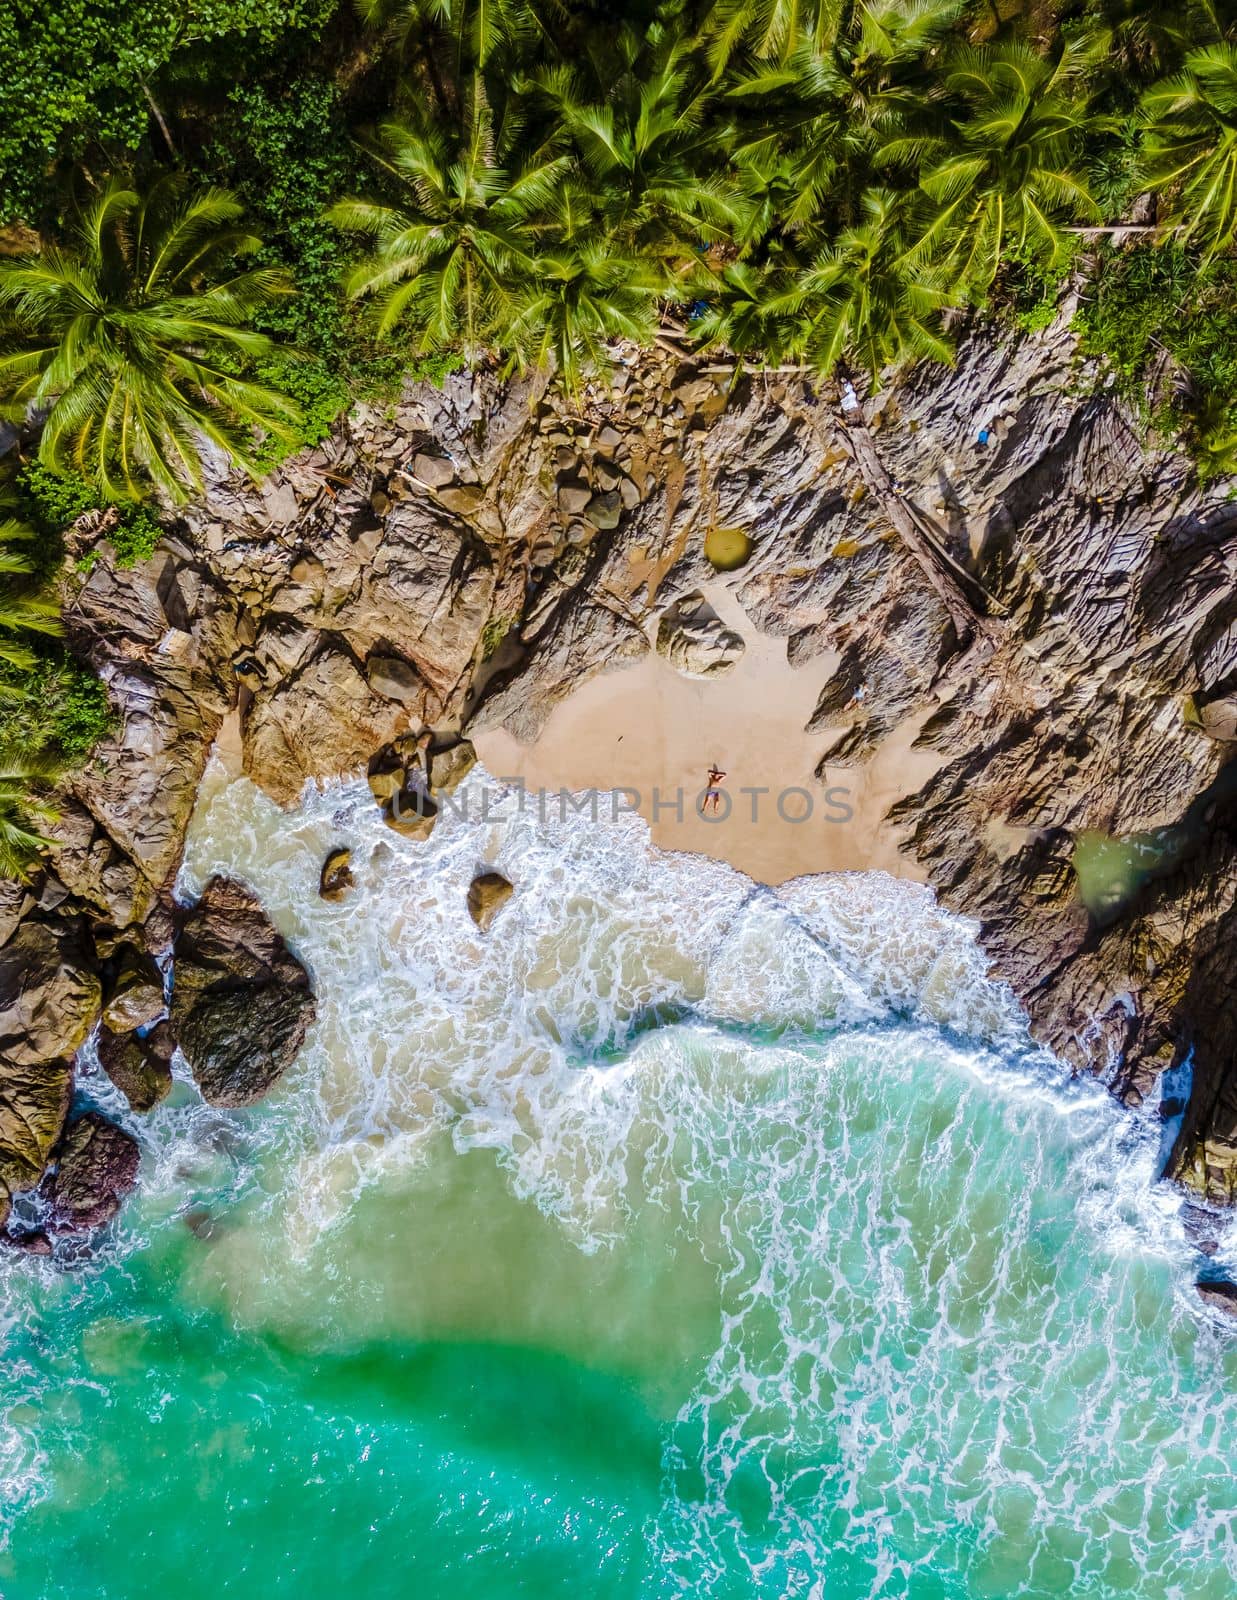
(453, 259)
(1192, 144)
(132, 335)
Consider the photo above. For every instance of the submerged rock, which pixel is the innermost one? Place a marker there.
(488, 893)
(336, 878)
(241, 1001)
(139, 1066)
(1219, 1294)
(96, 1167)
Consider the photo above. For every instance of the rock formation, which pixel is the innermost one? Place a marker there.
(695, 640)
(471, 557)
(96, 1166)
(488, 893)
(241, 1002)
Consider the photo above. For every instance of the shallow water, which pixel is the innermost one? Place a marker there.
(677, 1237)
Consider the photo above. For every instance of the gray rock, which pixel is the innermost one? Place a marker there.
(433, 471)
(695, 641)
(605, 511)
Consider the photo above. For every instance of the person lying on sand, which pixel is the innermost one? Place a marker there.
(713, 794)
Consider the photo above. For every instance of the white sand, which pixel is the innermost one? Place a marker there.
(648, 728)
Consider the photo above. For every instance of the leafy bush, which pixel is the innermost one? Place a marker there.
(74, 74)
(57, 706)
(54, 500)
(1156, 298)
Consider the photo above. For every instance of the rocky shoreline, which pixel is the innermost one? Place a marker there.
(468, 558)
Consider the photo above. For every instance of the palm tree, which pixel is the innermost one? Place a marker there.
(651, 147)
(867, 298)
(770, 30)
(132, 335)
(1001, 179)
(455, 259)
(22, 808)
(20, 613)
(1191, 147)
(584, 293)
(477, 28)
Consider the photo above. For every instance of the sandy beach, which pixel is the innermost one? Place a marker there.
(651, 729)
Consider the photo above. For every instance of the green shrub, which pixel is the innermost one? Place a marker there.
(73, 75)
(1157, 298)
(57, 706)
(54, 500)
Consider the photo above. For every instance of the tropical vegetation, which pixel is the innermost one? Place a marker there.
(228, 219)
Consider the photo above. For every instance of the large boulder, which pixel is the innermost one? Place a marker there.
(140, 1067)
(49, 997)
(135, 999)
(96, 1167)
(695, 641)
(34, 1101)
(488, 893)
(241, 1001)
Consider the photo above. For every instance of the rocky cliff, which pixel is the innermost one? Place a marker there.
(472, 555)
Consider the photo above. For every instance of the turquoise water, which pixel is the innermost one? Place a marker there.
(679, 1238)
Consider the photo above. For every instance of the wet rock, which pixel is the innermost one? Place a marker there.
(1219, 1294)
(96, 1167)
(695, 641)
(488, 893)
(241, 1001)
(412, 814)
(139, 1066)
(336, 878)
(31, 1241)
(450, 765)
(136, 994)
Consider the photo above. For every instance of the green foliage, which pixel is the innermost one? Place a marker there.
(52, 710)
(76, 73)
(129, 337)
(56, 707)
(528, 181)
(1149, 302)
(53, 500)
